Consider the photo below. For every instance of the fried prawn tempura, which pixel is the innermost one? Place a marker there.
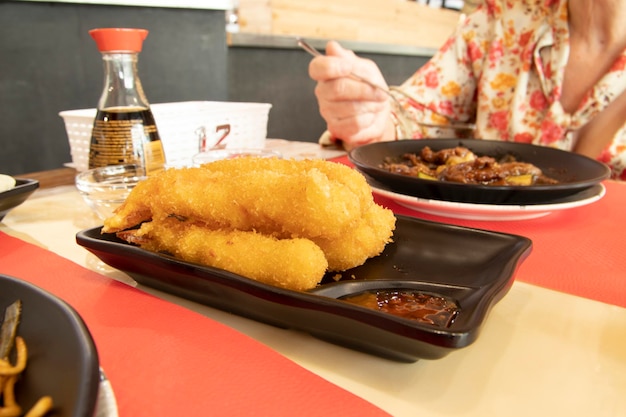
(367, 239)
(349, 178)
(289, 263)
(305, 204)
(259, 208)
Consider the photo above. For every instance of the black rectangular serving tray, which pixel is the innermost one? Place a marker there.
(474, 267)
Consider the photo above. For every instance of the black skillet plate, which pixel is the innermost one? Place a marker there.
(62, 358)
(473, 267)
(574, 172)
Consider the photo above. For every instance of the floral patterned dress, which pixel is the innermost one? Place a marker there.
(503, 70)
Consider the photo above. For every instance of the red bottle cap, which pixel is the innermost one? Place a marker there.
(119, 39)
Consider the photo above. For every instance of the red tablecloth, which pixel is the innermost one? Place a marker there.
(165, 360)
(580, 251)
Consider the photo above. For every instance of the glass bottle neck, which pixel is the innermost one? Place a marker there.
(122, 86)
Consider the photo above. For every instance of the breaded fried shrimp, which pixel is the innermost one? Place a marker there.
(282, 222)
(367, 239)
(296, 264)
(306, 203)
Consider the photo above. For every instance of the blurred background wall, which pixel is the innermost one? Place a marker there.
(49, 63)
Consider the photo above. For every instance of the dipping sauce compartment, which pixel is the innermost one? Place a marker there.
(432, 309)
(426, 304)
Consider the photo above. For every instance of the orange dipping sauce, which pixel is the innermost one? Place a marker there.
(425, 308)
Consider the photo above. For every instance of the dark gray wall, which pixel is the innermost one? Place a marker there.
(49, 63)
(280, 77)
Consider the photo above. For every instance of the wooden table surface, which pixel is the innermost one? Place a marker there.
(52, 178)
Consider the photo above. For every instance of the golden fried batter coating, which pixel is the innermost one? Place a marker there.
(283, 222)
(296, 264)
(367, 239)
(306, 203)
(334, 172)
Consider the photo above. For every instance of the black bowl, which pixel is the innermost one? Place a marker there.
(473, 267)
(62, 358)
(17, 195)
(574, 172)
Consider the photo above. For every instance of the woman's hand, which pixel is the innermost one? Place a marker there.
(355, 112)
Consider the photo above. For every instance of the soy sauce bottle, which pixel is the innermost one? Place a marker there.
(124, 130)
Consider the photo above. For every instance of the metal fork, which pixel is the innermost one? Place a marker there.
(405, 114)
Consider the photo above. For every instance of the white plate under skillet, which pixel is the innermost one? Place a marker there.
(493, 212)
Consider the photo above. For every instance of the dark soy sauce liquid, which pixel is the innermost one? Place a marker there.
(126, 136)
